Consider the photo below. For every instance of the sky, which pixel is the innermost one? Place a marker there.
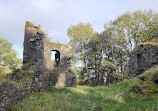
(56, 16)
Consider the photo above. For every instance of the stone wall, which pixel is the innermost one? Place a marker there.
(38, 66)
(10, 94)
(37, 51)
(142, 58)
(61, 70)
(33, 53)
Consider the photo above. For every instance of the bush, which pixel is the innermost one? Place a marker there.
(108, 64)
(120, 76)
(82, 82)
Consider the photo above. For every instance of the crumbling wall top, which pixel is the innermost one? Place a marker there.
(142, 58)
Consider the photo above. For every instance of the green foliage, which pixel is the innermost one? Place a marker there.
(121, 76)
(80, 35)
(4, 71)
(73, 68)
(126, 32)
(139, 26)
(17, 77)
(38, 27)
(59, 45)
(28, 66)
(148, 82)
(22, 81)
(107, 63)
(82, 81)
(28, 23)
(8, 56)
(116, 97)
(150, 75)
(8, 60)
(114, 44)
(4, 79)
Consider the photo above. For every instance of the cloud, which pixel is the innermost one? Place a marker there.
(55, 16)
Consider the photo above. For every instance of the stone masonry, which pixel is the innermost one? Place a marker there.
(37, 51)
(38, 66)
(142, 58)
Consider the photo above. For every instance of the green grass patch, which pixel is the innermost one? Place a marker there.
(4, 79)
(148, 82)
(22, 81)
(116, 97)
(4, 71)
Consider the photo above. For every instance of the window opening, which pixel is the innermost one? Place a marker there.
(55, 55)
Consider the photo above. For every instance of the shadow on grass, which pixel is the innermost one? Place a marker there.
(92, 99)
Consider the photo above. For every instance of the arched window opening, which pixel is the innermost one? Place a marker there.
(55, 55)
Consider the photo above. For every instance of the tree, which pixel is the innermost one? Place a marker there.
(81, 34)
(138, 27)
(8, 56)
(114, 44)
(129, 30)
(94, 56)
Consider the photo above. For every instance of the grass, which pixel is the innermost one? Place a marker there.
(24, 80)
(117, 97)
(148, 82)
(151, 74)
(3, 79)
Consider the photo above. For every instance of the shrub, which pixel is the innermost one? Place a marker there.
(108, 64)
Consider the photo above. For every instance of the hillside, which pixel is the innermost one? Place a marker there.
(116, 97)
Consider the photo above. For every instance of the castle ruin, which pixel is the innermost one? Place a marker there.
(37, 51)
(142, 58)
(39, 67)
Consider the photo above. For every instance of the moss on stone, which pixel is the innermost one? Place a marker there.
(59, 45)
(4, 72)
(146, 45)
(22, 81)
(147, 82)
(29, 24)
(56, 45)
(150, 75)
(4, 79)
(120, 76)
(36, 27)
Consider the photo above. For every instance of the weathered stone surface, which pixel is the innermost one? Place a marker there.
(11, 94)
(37, 51)
(63, 72)
(142, 58)
(37, 65)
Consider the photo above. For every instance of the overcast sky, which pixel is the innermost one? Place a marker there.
(55, 16)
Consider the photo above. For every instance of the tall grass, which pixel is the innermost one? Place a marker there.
(117, 97)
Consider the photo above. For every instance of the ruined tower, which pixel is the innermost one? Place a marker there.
(33, 53)
(37, 53)
(143, 57)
